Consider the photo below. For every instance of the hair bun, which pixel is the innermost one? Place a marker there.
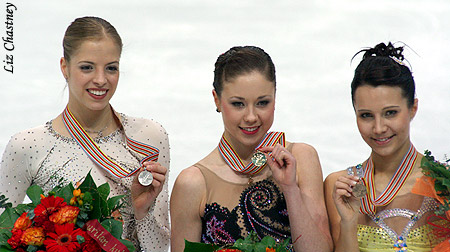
(383, 50)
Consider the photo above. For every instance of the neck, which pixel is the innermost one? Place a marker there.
(389, 164)
(92, 120)
(244, 152)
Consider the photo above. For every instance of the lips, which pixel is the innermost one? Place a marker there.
(250, 130)
(383, 141)
(97, 93)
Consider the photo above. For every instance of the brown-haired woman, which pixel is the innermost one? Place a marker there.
(238, 187)
(47, 154)
(380, 213)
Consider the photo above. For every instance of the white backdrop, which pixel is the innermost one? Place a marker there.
(170, 48)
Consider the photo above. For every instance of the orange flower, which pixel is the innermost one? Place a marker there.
(23, 222)
(67, 214)
(76, 192)
(270, 250)
(442, 247)
(33, 236)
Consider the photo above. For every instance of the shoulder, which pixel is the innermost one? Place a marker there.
(330, 180)
(137, 124)
(304, 150)
(190, 186)
(29, 137)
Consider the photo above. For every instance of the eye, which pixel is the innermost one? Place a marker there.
(86, 67)
(262, 103)
(391, 113)
(365, 115)
(112, 68)
(237, 104)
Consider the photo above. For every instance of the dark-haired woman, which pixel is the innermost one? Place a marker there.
(239, 187)
(47, 154)
(370, 205)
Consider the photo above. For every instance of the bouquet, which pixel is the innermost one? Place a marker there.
(436, 184)
(251, 243)
(68, 219)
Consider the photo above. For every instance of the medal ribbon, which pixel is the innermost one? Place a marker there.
(234, 161)
(96, 154)
(370, 201)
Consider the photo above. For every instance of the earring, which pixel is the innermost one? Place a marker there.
(217, 110)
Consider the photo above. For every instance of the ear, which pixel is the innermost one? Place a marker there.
(216, 100)
(64, 67)
(414, 108)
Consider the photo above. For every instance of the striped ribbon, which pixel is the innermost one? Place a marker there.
(234, 161)
(96, 154)
(370, 201)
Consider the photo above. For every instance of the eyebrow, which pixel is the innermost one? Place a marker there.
(90, 62)
(389, 107)
(261, 97)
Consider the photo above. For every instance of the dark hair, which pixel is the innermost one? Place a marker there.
(240, 60)
(88, 28)
(383, 65)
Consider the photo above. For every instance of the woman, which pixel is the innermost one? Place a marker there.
(225, 196)
(378, 212)
(46, 154)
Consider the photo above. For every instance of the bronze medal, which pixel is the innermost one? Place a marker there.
(259, 159)
(145, 178)
(359, 190)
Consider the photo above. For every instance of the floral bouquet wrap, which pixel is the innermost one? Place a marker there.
(436, 184)
(251, 243)
(68, 219)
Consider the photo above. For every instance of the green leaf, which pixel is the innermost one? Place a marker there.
(66, 193)
(34, 193)
(5, 249)
(128, 244)
(199, 247)
(114, 202)
(103, 192)
(8, 218)
(88, 185)
(113, 226)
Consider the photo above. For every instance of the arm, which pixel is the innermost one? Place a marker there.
(300, 178)
(188, 195)
(15, 175)
(343, 211)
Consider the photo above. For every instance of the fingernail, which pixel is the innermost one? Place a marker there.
(353, 182)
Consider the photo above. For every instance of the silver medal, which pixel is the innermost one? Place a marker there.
(259, 159)
(145, 178)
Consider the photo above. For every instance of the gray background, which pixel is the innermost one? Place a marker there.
(170, 48)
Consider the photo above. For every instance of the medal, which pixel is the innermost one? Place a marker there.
(359, 190)
(145, 178)
(259, 159)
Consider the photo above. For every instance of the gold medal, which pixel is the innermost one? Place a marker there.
(145, 178)
(259, 159)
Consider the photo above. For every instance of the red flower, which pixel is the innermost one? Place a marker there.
(23, 222)
(49, 205)
(66, 214)
(43, 221)
(90, 245)
(64, 239)
(14, 241)
(33, 236)
(229, 250)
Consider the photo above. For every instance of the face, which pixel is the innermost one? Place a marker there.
(383, 118)
(92, 74)
(247, 104)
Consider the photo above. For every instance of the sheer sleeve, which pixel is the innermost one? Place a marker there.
(19, 163)
(153, 231)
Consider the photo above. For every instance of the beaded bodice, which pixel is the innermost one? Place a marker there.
(261, 208)
(384, 237)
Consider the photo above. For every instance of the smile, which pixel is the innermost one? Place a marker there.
(383, 140)
(249, 130)
(97, 92)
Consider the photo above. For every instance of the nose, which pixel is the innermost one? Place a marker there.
(379, 126)
(100, 77)
(251, 115)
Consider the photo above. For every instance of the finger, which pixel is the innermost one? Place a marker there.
(156, 167)
(342, 193)
(266, 149)
(159, 177)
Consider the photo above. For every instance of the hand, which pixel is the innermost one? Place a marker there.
(144, 196)
(283, 165)
(347, 205)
